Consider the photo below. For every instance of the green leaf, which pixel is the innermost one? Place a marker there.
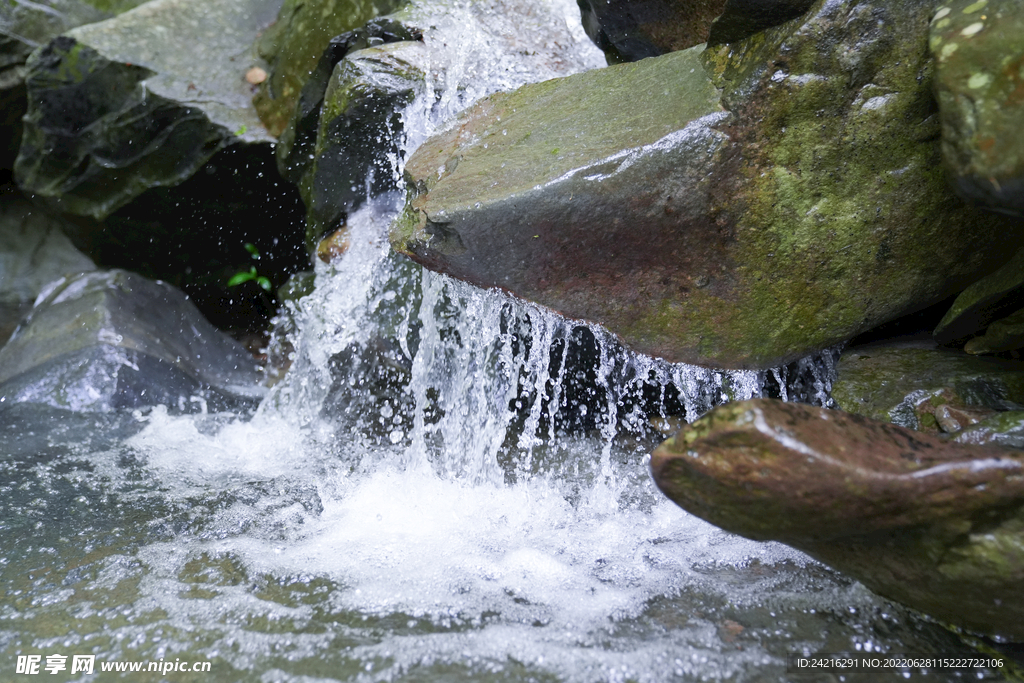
(253, 251)
(264, 283)
(239, 278)
(241, 131)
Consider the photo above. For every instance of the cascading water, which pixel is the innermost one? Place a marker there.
(448, 484)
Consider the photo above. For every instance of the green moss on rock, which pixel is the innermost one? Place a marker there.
(904, 383)
(294, 44)
(769, 197)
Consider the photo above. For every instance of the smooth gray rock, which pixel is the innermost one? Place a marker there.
(140, 100)
(104, 341)
(34, 251)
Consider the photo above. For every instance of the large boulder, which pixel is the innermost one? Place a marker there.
(34, 251)
(934, 525)
(767, 199)
(979, 82)
(138, 101)
(363, 116)
(105, 341)
(24, 26)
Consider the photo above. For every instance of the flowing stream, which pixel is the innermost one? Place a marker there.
(448, 484)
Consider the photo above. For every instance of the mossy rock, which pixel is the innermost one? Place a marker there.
(770, 197)
(935, 525)
(1005, 429)
(24, 26)
(353, 153)
(360, 132)
(296, 146)
(293, 47)
(905, 383)
(990, 298)
(979, 82)
(139, 101)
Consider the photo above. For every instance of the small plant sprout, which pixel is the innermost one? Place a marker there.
(251, 274)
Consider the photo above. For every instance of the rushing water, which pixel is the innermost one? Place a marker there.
(446, 485)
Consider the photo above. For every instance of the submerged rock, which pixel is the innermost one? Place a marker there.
(34, 251)
(363, 118)
(772, 197)
(934, 525)
(979, 82)
(919, 386)
(104, 341)
(140, 101)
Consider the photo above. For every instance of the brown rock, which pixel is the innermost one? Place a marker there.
(935, 525)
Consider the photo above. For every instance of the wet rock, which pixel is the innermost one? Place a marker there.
(771, 198)
(359, 136)
(297, 144)
(934, 525)
(990, 298)
(363, 116)
(1005, 429)
(294, 45)
(104, 341)
(140, 101)
(920, 386)
(743, 18)
(34, 251)
(628, 30)
(24, 26)
(1005, 334)
(979, 83)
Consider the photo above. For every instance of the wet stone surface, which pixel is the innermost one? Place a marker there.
(979, 83)
(934, 525)
(140, 101)
(828, 213)
(107, 341)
